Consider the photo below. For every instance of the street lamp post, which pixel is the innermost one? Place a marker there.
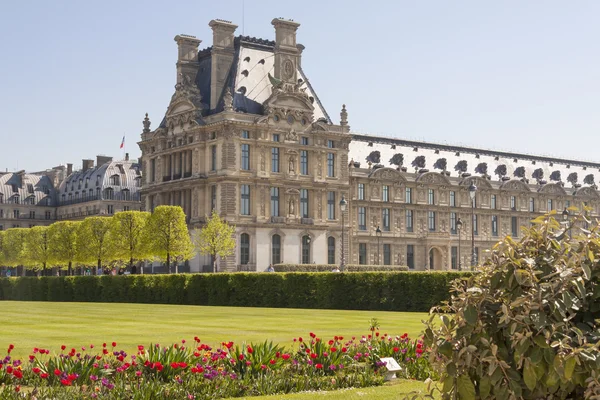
(565, 217)
(459, 225)
(472, 192)
(378, 234)
(343, 204)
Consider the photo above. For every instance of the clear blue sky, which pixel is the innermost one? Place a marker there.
(515, 75)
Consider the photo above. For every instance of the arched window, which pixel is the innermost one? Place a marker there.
(109, 194)
(276, 249)
(305, 249)
(330, 250)
(244, 248)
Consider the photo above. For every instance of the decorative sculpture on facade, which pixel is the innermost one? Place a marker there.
(461, 167)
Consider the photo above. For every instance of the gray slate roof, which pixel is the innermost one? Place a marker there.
(34, 188)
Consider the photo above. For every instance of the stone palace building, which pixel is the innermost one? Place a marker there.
(245, 134)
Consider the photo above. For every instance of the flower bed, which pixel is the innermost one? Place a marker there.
(199, 371)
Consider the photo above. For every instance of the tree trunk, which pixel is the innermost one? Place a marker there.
(69, 271)
(130, 263)
(176, 266)
(44, 270)
(99, 266)
(169, 263)
(214, 263)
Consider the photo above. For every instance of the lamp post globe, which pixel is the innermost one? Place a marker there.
(343, 205)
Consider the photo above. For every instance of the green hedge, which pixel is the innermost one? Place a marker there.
(330, 267)
(386, 291)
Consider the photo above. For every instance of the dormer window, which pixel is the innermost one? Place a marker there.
(29, 188)
(15, 199)
(115, 180)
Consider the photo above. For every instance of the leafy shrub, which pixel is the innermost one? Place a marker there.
(388, 291)
(331, 267)
(528, 325)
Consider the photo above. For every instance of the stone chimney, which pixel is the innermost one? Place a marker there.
(222, 57)
(287, 51)
(101, 160)
(187, 57)
(86, 164)
(126, 156)
(69, 169)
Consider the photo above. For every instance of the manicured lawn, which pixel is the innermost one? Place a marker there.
(398, 389)
(49, 325)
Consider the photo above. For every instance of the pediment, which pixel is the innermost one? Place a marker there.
(515, 184)
(290, 101)
(586, 192)
(552, 188)
(478, 181)
(180, 107)
(387, 173)
(433, 178)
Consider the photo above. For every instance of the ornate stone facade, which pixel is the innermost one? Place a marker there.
(245, 134)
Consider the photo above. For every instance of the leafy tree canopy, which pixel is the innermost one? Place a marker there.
(216, 238)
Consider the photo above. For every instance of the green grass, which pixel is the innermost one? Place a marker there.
(397, 389)
(49, 325)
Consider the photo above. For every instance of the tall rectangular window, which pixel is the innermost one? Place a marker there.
(275, 159)
(410, 256)
(550, 208)
(330, 205)
(430, 196)
(244, 248)
(304, 141)
(514, 226)
(493, 202)
(476, 255)
(475, 225)
(245, 200)
(513, 203)
(452, 198)
(361, 191)
(213, 197)
(245, 157)
(303, 162)
(304, 203)
(245, 135)
(385, 219)
(275, 249)
(330, 250)
(362, 253)
(152, 172)
(431, 220)
(567, 203)
(330, 144)
(494, 225)
(48, 215)
(453, 223)
(385, 193)
(213, 158)
(454, 257)
(276, 137)
(362, 218)
(330, 164)
(387, 254)
(408, 196)
(409, 221)
(275, 202)
(531, 204)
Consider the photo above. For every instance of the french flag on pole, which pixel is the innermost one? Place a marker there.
(122, 143)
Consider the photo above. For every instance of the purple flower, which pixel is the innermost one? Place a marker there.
(93, 378)
(332, 367)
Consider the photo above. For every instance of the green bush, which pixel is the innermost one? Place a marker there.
(331, 267)
(393, 291)
(528, 325)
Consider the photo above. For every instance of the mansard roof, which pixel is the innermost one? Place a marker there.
(534, 169)
(248, 78)
(26, 186)
(127, 170)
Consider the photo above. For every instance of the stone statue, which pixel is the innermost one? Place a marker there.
(228, 100)
(292, 136)
(292, 206)
(292, 168)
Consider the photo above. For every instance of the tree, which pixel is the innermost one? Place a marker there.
(481, 168)
(555, 176)
(14, 254)
(216, 238)
(128, 235)
(572, 178)
(37, 248)
(461, 167)
(418, 162)
(94, 243)
(397, 159)
(589, 179)
(519, 172)
(441, 163)
(501, 171)
(374, 157)
(167, 235)
(63, 243)
(2, 235)
(538, 174)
